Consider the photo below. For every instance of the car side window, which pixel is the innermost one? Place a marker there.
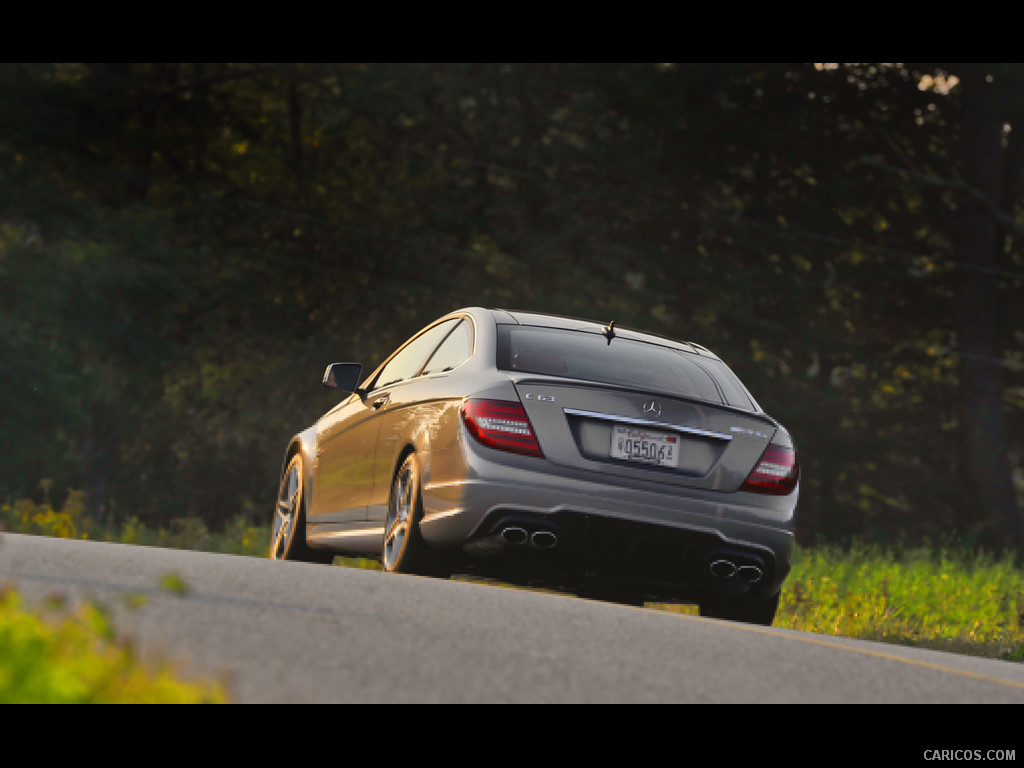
(453, 352)
(407, 363)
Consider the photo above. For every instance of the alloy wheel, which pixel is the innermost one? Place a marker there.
(286, 512)
(400, 515)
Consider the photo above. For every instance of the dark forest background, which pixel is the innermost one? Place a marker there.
(184, 247)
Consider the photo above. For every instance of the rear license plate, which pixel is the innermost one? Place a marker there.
(644, 446)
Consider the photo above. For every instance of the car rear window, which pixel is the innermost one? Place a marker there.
(624, 362)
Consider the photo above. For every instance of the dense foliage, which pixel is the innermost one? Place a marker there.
(184, 247)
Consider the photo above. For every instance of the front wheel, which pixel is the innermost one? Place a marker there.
(403, 549)
(759, 610)
(288, 533)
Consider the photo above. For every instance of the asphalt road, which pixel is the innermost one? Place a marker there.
(290, 632)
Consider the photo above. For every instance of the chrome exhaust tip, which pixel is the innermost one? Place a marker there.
(513, 534)
(750, 573)
(723, 569)
(544, 539)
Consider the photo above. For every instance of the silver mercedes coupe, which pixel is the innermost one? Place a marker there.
(549, 451)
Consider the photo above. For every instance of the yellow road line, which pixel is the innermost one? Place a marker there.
(867, 652)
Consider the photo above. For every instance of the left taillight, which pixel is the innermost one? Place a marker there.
(776, 473)
(501, 424)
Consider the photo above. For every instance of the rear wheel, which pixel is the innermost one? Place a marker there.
(403, 549)
(288, 533)
(760, 610)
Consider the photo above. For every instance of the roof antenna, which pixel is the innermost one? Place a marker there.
(609, 331)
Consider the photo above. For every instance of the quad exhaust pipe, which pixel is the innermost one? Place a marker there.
(540, 539)
(727, 569)
(543, 540)
(513, 534)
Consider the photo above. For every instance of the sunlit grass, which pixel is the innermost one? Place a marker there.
(929, 597)
(70, 521)
(75, 658)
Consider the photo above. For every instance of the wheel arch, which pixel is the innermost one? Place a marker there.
(305, 443)
(403, 454)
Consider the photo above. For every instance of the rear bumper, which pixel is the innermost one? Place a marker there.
(648, 533)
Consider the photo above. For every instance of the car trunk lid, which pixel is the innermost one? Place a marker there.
(642, 435)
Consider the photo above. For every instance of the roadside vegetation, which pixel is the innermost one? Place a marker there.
(934, 597)
(937, 597)
(51, 656)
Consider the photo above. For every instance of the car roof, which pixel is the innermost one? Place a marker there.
(540, 319)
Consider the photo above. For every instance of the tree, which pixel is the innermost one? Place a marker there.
(995, 519)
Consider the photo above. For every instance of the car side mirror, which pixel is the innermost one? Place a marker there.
(344, 376)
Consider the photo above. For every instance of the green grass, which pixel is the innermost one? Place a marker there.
(239, 537)
(929, 597)
(934, 597)
(76, 659)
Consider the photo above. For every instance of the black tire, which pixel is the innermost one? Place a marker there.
(403, 549)
(759, 610)
(288, 531)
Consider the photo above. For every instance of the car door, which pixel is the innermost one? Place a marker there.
(343, 467)
(414, 411)
(347, 436)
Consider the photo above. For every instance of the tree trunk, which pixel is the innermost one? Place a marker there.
(994, 521)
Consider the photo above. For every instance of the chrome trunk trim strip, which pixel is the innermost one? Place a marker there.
(646, 423)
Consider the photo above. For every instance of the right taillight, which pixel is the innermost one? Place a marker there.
(776, 472)
(501, 424)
